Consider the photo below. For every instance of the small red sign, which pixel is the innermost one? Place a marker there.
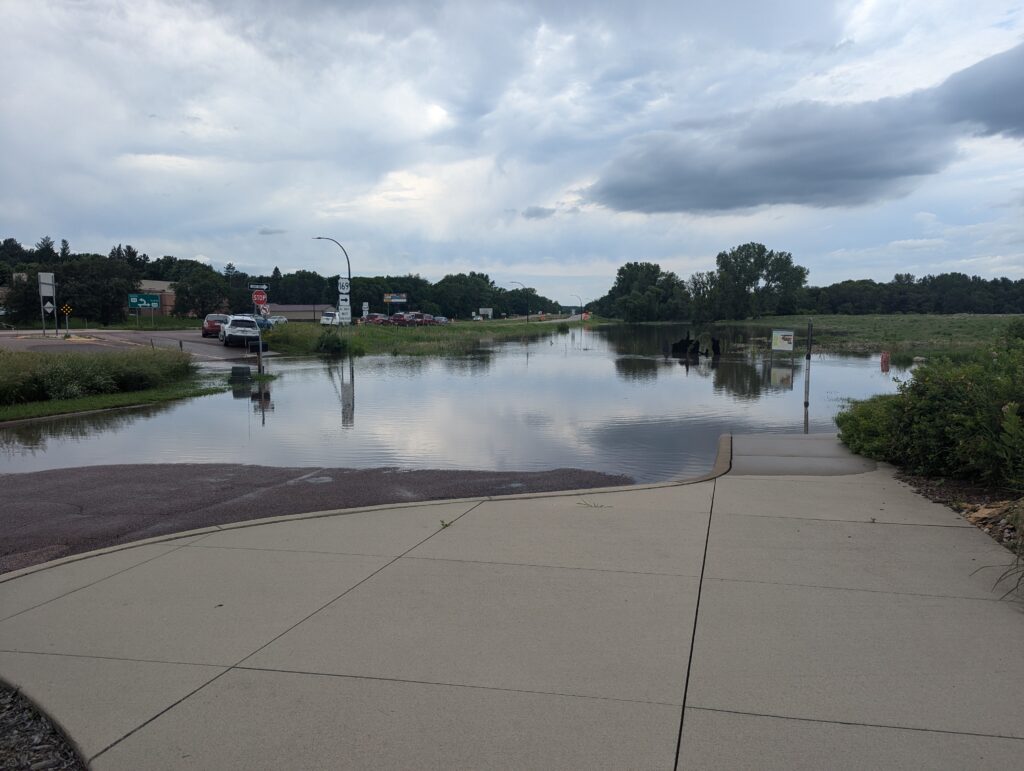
(259, 297)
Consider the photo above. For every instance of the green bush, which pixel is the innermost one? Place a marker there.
(866, 427)
(33, 377)
(951, 420)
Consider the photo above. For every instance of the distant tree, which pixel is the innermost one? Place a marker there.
(754, 281)
(45, 252)
(65, 250)
(12, 253)
(97, 287)
(200, 291)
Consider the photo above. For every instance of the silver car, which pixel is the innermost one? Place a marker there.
(239, 329)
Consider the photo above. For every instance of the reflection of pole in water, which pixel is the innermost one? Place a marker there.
(346, 392)
(807, 378)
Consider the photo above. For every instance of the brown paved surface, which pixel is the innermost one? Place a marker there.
(45, 515)
(94, 340)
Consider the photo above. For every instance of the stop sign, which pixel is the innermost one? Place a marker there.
(259, 297)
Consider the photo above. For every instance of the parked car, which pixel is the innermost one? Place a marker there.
(212, 324)
(275, 320)
(330, 319)
(440, 320)
(399, 319)
(240, 329)
(375, 318)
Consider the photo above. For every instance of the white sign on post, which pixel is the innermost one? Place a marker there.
(366, 309)
(782, 339)
(344, 299)
(344, 314)
(46, 283)
(344, 287)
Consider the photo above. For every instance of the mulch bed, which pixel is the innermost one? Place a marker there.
(1000, 513)
(29, 741)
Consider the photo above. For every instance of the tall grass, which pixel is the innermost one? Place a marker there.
(448, 340)
(35, 377)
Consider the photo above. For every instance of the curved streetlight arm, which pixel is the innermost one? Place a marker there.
(581, 303)
(527, 298)
(347, 261)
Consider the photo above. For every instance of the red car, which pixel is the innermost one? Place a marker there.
(212, 323)
(375, 318)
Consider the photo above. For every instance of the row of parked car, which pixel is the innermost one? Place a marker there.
(411, 319)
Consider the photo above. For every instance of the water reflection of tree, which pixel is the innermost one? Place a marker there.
(34, 435)
(657, 339)
(475, 364)
(636, 368)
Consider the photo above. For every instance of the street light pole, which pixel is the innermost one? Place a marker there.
(347, 262)
(527, 299)
(581, 304)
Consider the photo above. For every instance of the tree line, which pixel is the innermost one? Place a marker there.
(752, 281)
(97, 286)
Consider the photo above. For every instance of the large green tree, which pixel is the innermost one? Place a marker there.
(200, 291)
(755, 281)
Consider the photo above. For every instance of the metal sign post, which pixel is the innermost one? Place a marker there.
(47, 288)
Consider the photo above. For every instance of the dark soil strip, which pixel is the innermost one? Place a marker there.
(46, 515)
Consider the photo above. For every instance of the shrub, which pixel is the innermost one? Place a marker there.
(866, 427)
(952, 420)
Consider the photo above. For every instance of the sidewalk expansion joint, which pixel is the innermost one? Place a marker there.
(86, 586)
(856, 589)
(859, 724)
(553, 567)
(696, 617)
(356, 585)
(378, 678)
(101, 657)
(952, 526)
(288, 551)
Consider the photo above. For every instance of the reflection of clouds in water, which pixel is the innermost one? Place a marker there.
(584, 407)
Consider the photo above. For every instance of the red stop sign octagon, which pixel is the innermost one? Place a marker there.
(259, 297)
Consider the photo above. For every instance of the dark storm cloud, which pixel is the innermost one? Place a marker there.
(537, 212)
(813, 153)
(989, 94)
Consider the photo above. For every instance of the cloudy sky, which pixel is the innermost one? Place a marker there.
(542, 142)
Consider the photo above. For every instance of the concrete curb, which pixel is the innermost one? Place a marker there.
(723, 463)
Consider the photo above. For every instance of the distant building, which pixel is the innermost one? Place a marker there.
(164, 290)
(300, 312)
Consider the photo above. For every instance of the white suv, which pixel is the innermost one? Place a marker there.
(330, 319)
(241, 329)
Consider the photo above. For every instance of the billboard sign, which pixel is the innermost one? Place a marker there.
(394, 297)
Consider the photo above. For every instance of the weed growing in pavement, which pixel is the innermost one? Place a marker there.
(590, 505)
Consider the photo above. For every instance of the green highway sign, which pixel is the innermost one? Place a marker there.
(143, 301)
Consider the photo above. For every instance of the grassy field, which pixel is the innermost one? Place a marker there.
(449, 340)
(193, 386)
(958, 336)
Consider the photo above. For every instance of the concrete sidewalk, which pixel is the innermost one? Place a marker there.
(803, 611)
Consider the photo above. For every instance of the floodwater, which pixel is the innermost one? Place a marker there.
(609, 400)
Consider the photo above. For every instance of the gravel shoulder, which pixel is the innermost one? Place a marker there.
(47, 515)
